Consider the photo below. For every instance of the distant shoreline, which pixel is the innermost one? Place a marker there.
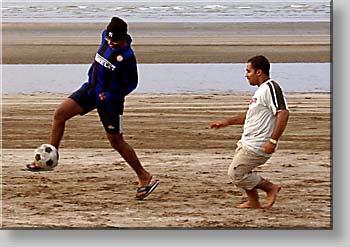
(76, 43)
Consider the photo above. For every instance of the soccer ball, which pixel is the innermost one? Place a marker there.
(46, 156)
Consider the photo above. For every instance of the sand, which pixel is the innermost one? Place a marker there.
(66, 43)
(92, 187)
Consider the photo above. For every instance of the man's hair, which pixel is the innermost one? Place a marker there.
(260, 62)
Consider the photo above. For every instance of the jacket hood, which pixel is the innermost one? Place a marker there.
(128, 39)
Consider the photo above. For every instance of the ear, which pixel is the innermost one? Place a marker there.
(259, 72)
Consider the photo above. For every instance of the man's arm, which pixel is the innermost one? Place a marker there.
(239, 119)
(281, 123)
(130, 81)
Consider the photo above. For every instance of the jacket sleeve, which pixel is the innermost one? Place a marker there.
(130, 76)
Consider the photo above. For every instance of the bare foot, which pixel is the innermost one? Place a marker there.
(250, 205)
(272, 195)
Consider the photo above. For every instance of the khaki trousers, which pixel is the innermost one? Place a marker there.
(242, 166)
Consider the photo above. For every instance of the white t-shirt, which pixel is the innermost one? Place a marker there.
(260, 120)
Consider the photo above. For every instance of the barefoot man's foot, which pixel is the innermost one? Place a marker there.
(250, 205)
(272, 195)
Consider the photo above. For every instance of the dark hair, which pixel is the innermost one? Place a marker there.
(117, 29)
(260, 62)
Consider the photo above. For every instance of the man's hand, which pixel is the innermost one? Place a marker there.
(269, 147)
(219, 125)
(102, 96)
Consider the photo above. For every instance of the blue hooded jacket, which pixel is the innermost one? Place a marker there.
(114, 72)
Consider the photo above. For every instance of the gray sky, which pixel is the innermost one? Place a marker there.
(216, 1)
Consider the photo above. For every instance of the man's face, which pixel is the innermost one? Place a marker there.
(251, 75)
(114, 44)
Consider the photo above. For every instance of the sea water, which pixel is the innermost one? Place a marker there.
(168, 78)
(167, 11)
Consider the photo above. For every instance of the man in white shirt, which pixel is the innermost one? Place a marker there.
(264, 123)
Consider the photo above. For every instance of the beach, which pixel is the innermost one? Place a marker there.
(76, 43)
(93, 187)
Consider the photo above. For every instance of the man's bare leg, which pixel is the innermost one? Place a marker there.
(253, 200)
(271, 191)
(68, 109)
(129, 155)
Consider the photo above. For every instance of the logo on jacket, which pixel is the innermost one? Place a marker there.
(104, 62)
(120, 58)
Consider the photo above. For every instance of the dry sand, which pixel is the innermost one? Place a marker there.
(66, 43)
(94, 187)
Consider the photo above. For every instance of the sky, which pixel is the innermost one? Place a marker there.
(217, 1)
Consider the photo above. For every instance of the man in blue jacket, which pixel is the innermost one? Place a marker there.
(112, 76)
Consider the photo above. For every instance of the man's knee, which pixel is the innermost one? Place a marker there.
(68, 109)
(60, 115)
(237, 174)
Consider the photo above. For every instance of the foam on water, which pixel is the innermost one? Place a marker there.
(175, 11)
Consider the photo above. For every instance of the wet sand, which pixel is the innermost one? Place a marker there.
(67, 43)
(93, 187)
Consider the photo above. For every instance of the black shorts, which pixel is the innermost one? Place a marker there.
(111, 113)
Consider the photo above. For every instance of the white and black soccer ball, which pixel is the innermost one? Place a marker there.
(46, 156)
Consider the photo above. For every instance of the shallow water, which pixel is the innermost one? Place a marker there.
(168, 78)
